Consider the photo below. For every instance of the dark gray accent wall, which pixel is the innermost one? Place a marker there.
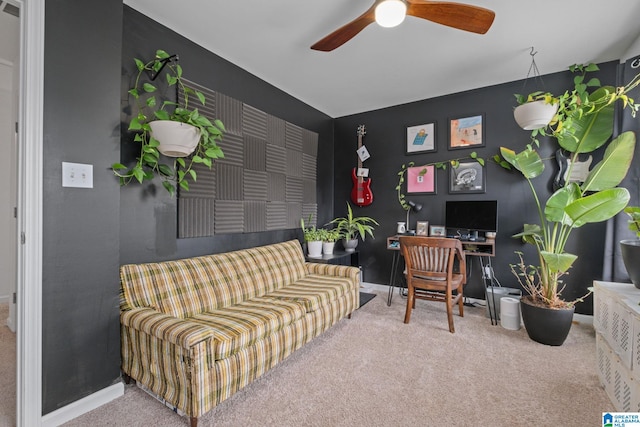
(81, 340)
(148, 216)
(385, 140)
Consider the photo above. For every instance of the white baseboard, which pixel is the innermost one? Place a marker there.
(5, 299)
(82, 406)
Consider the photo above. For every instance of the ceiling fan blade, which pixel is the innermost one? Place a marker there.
(465, 17)
(346, 32)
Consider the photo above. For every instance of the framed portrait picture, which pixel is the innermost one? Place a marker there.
(468, 177)
(421, 179)
(422, 228)
(421, 138)
(437, 231)
(466, 132)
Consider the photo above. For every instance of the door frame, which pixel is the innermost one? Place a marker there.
(30, 207)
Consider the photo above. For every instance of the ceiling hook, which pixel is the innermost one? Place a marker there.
(532, 53)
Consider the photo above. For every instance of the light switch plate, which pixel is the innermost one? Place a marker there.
(77, 175)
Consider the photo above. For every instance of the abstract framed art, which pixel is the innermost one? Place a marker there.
(466, 132)
(421, 139)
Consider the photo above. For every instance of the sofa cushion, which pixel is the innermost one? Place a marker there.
(314, 290)
(241, 325)
(185, 287)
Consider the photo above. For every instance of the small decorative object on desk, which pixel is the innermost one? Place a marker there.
(437, 231)
(490, 235)
(422, 228)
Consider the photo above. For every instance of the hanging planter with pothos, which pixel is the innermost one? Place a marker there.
(184, 134)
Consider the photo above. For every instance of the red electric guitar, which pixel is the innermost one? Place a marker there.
(361, 194)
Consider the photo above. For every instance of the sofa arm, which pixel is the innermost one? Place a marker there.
(334, 270)
(179, 332)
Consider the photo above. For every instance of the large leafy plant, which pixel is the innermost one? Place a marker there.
(149, 107)
(351, 227)
(584, 124)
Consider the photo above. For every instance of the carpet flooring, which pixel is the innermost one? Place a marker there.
(7, 371)
(374, 370)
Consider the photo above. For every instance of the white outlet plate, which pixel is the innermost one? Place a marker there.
(77, 175)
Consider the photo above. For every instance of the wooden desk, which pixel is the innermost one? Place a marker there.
(480, 250)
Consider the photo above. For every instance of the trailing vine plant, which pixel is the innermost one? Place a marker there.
(454, 163)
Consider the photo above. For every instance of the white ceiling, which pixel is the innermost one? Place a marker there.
(417, 60)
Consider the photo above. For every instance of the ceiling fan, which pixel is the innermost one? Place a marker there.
(390, 13)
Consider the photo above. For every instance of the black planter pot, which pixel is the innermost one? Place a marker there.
(546, 325)
(630, 250)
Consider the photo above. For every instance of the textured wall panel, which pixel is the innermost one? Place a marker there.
(277, 216)
(229, 216)
(205, 184)
(309, 166)
(276, 159)
(229, 111)
(310, 210)
(268, 172)
(229, 185)
(294, 190)
(276, 130)
(309, 191)
(209, 108)
(294, 163)
(254, 122)
(294, 213)
(276, 187)
(293, 137)
(309, 142)
(255, 216)
(255, 185)
(195, 217)
(255, 153)
(233, 148)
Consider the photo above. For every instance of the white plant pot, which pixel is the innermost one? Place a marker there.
(314, 249)
(534, 115)
(327, 247)
(176, 139)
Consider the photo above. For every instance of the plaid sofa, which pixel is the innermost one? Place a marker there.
(195, 331)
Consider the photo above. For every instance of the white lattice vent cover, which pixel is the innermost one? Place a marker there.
(622, 388)
(601, 307)
(621, 332)
(605, 360)
(636, 346)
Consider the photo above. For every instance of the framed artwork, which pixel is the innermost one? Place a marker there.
(421, 138)
(437, 231)
(422, 228)
(466, 132)
(421, 179)
(468, 177)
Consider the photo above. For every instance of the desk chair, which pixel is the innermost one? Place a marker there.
(430, 272)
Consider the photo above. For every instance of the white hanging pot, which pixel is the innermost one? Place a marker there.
(534, 115)
(176, 139)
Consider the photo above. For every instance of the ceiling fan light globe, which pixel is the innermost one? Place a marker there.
(390, 13)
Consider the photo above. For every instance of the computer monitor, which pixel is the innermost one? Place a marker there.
(471, 216)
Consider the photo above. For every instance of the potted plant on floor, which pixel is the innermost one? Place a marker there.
(350, 228)
(162, 132)
(583, 124)
(312, 238)
(630, 248)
